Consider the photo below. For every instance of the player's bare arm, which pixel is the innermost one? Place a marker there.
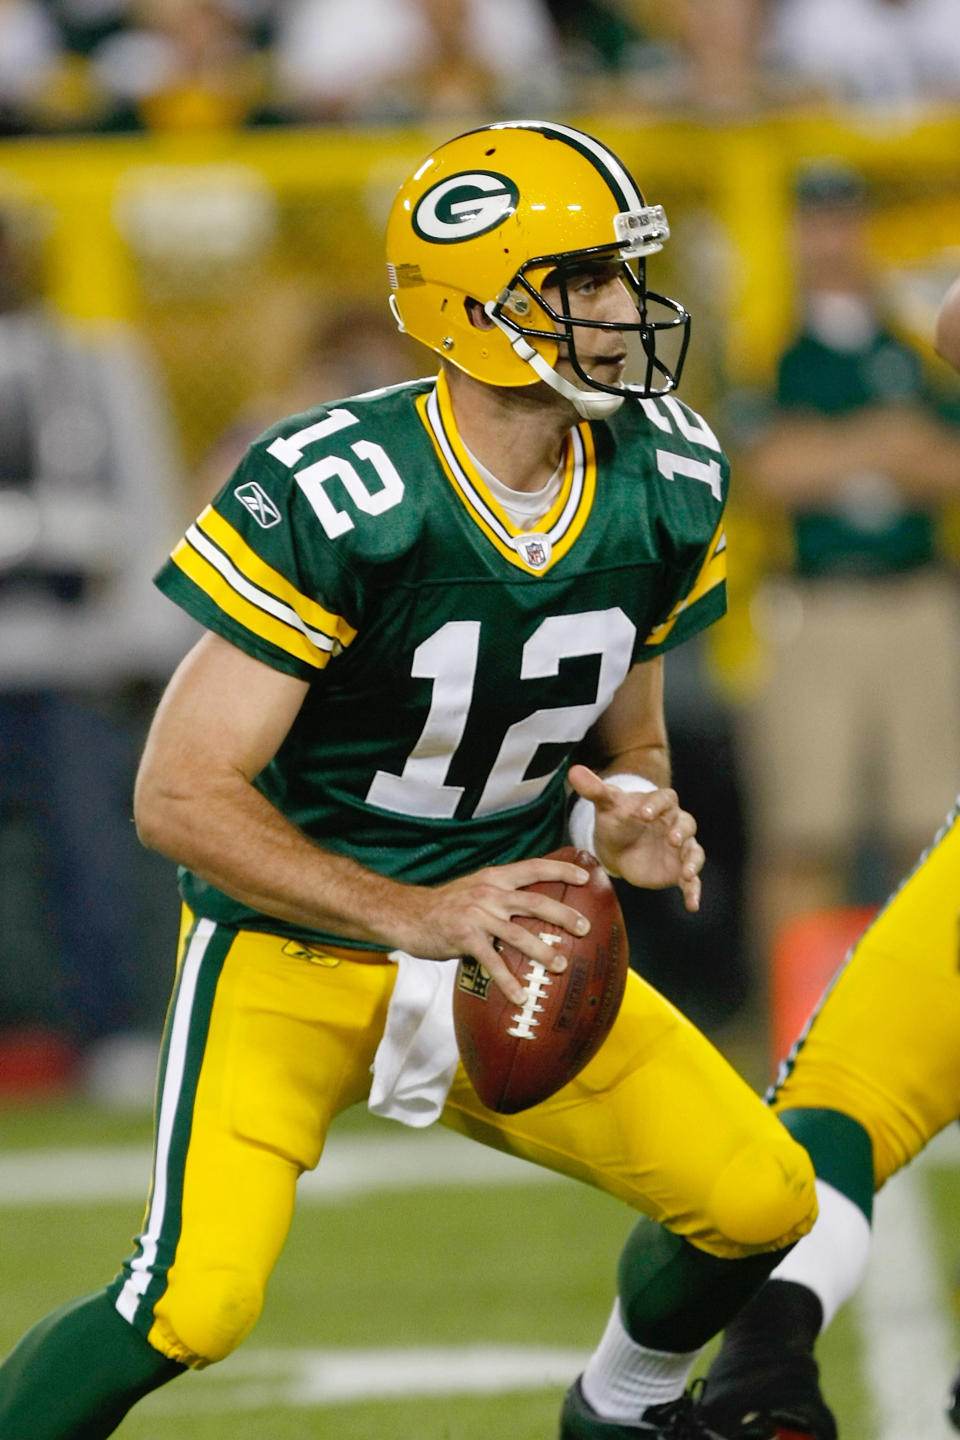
(645, 837)
(946, 338)
(223, 717)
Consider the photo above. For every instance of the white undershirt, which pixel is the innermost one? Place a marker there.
(524, 507)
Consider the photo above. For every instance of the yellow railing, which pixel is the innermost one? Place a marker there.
(740, 174)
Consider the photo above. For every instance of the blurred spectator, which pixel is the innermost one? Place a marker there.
(397, 59)
(705, 58)
(180, 65)
(30, 53)
(880, 52)
(88, 489)
(84, 24)
(854, 743)
(596, 32)
(89, 65)
(721, 41)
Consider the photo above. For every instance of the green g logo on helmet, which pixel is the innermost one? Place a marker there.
(465, 205)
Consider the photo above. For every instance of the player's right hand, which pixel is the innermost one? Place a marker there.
(469, 916)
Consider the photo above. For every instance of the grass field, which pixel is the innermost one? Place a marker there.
(431, 1290)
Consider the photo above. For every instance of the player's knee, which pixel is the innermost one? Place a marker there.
(201, 1323)
(764, 1199)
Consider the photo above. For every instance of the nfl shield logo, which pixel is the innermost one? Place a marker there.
(534, 549)
(472, 977)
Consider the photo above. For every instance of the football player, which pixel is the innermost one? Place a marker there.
(420, 604)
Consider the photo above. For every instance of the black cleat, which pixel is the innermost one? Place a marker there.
(676, 1420)
(764, 1383)
(770, 1401)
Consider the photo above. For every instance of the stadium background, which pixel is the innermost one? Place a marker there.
(232, 252)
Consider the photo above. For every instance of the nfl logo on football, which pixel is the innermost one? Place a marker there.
(472, 977)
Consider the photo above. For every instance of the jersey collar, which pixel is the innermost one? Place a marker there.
(532, 551)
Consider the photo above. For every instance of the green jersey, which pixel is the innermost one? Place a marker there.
(856, 540)
(455, 662)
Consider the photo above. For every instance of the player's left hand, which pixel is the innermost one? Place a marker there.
(644, 837)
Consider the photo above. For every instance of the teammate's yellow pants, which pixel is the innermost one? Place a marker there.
(884, 1045)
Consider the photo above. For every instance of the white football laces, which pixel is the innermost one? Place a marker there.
(525, 1021)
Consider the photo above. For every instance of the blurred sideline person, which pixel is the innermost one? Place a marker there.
(850, 750)
(88, 491)
(420, 604)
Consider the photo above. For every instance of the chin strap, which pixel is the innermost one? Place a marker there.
(590, 404)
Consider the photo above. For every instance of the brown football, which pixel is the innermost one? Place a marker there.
(516, 1055)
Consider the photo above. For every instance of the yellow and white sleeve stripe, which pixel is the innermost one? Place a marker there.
(712, 572)
(216, 558)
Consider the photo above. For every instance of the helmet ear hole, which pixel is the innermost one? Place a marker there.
(476, 314)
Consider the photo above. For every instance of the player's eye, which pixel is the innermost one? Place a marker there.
(593, 281)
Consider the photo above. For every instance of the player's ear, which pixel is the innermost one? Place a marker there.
(477, 316)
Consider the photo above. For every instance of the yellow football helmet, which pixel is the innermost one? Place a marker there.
(486, 218)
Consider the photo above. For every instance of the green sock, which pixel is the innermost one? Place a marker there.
(675, 1297)
(76, 1374)
(841, 1151)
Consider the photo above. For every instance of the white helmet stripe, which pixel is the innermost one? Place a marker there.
(618, 177)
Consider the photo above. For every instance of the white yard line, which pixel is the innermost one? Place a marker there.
(910, 1353)
(395, 1159)
(265, 1379)
(399, 1160)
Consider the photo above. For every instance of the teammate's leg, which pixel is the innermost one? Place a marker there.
(874, 1078)
(265, 1041)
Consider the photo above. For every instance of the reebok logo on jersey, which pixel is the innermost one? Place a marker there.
(258, 502)
(465, 205)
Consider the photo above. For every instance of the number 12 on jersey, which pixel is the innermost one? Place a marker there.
(450, 658)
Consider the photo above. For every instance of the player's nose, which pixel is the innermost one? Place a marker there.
(620, 305)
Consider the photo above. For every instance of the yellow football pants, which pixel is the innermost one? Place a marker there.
(884, 1044)
(268, 1039)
